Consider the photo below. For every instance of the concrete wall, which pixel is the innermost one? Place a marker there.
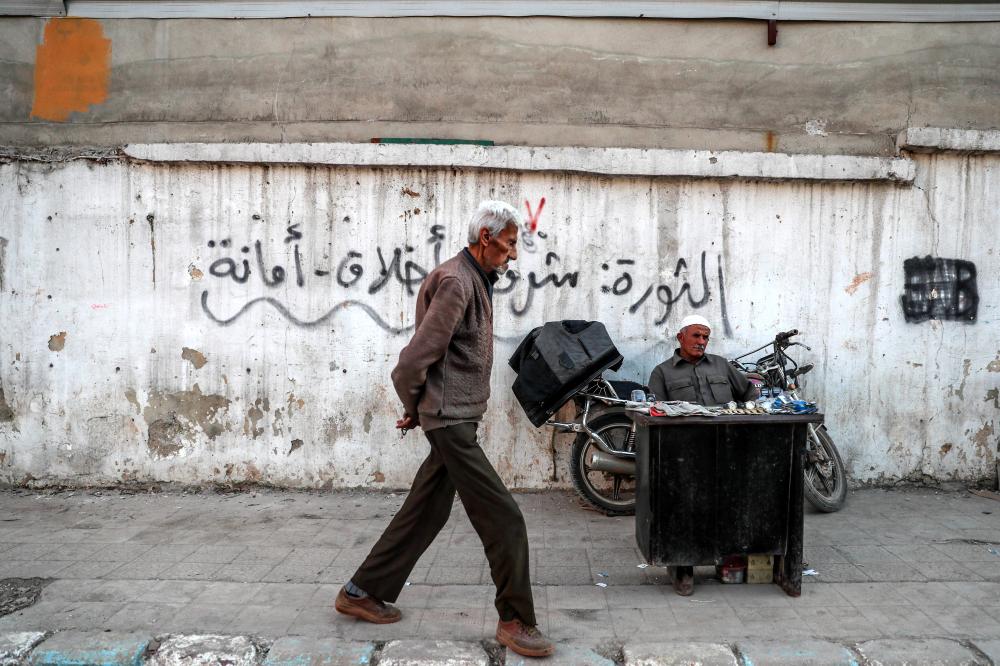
(136, 344)
(828, 88)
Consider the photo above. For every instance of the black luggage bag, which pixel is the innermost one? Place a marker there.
(558, 359)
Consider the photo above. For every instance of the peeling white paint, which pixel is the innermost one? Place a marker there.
(894, 393)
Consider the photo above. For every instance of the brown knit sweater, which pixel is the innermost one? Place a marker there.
(443, 374)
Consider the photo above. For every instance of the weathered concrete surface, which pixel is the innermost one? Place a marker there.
(204, 650)
(600, 161)
(286, 280)
(567, 654)
(929, 651)
(14, 647)
(531, 81)
(433, 653)
(80, 648)
(17, 593)
(794, 653)
(301, 651)
(932, 139)
(990, 648)
(678, 653)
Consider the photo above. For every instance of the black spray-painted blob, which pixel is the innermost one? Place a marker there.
(939, 288)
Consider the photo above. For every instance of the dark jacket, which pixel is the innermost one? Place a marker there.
(711, 381)
(443, 373)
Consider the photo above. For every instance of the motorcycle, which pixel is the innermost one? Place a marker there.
(602, 459)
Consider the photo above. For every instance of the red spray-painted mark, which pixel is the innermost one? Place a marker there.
(533, 216)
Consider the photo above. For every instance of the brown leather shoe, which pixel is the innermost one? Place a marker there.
(683, 580)
(525, 640)
(366, 608)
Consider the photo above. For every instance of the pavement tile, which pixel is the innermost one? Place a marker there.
(885, 572)
(925, 594)
(91, 569)
(320, 557)
(272, 621)
(300, 651)
(844, 622)
(800, 652)
(205, 649)
(291, 573)
(559, 557)
(145, 616)
(867, 554)
(964, 621)
(32, 569)
(169, 552)
(840, 573)
(263, 555)
(407, 627)
(871, 594)
(242, 573)
(91, 649)
(119, 552)
(638, 596)
(215, 554)
(433, 653)
(976, 594)
(964, 552)
(941, 652)
(630, 623)
(227, 592)
(901, 620)
(948, 571)
(574, 623)
(50, 551)
(15, 646)
(284, 594)
(576, 596)
(202, 618)
(678, 653)
(561, 575)
(191, 571)
(172, 591)
(462, 623)
(444, 574)
(140, 569)
(454, 596)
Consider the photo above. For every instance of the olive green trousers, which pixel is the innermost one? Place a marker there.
(455, 463)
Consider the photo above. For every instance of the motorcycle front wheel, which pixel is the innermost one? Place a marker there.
(613, 494)
(825, 477)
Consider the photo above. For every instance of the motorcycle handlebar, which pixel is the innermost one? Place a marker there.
(782, 337)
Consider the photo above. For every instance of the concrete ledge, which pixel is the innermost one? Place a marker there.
(603, 161)
(185, 650)
(79, 648)
(805, 652)
(296, 651)
(15, 647)
(935, 139)
(567, 654)
(679, 653)
(940, 651)
(433, 653)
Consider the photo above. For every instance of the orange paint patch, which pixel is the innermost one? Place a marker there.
(72, 68)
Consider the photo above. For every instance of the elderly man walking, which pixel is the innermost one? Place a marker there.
(443, 381)
(704, 379)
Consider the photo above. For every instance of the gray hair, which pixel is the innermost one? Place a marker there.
(494, 216)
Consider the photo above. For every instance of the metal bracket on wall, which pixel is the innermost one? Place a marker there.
(772, 32)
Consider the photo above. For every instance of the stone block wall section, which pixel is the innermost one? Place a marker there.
(823, 88)
(72, 648)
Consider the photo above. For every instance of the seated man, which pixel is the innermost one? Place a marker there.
(704, 379)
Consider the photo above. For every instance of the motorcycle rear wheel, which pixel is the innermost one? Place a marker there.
(825, 482)
(613, 494)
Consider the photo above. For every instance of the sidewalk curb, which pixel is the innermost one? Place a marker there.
(76, 648)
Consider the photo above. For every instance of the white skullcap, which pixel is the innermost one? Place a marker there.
(694, 320)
